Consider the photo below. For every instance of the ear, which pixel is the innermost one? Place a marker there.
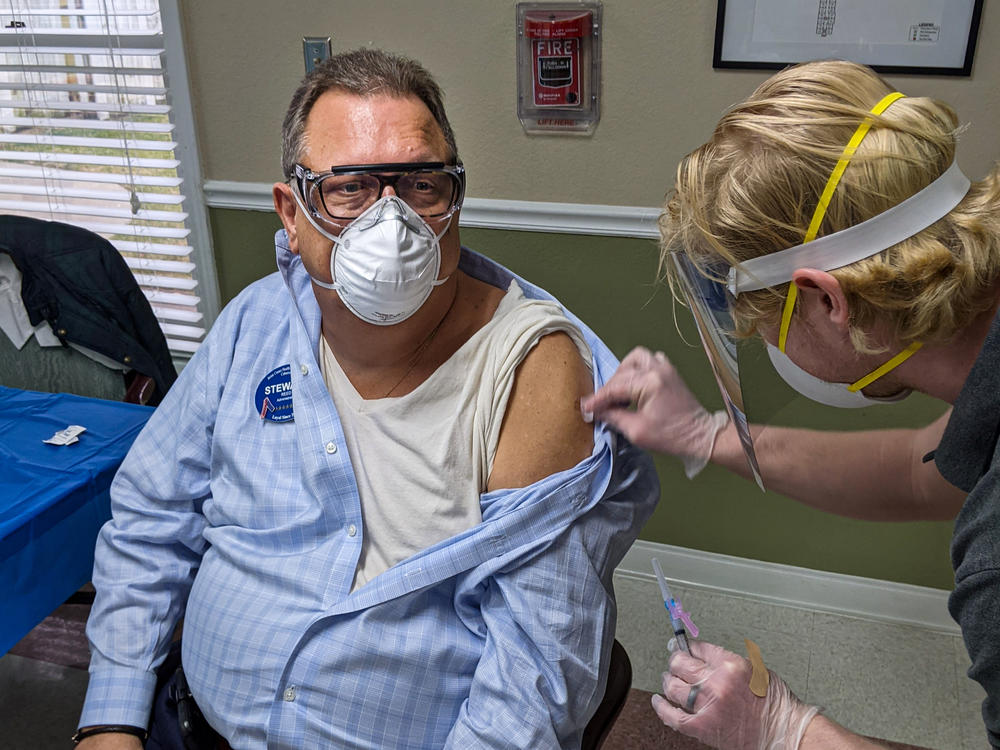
(825, 291)
(287, 209)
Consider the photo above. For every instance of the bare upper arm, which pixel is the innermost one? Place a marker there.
(542, 431)
(941, 499)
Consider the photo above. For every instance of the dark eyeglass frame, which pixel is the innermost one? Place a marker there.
(395, 170)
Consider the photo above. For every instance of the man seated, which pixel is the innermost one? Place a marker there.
(371, 494)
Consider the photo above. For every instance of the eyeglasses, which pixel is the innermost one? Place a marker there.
(433, 189)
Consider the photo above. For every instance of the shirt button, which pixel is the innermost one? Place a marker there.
(289, 694)
(331, 447)
(352, 530)
(304, 369)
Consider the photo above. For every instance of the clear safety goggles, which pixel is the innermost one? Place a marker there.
(709, 293)
(337, 197)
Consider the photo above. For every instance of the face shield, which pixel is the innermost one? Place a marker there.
(708, 301)
(734, 361)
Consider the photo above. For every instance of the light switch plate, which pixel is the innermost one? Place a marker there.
(315, 49)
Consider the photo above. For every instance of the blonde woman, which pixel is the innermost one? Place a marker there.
(828, 212)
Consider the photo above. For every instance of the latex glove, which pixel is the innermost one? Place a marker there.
(725, 713)
(667, 417)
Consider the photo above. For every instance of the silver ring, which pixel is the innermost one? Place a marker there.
(692, 696)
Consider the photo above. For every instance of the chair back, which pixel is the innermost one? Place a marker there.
(57, 369)
(615, 695)
(81, 285)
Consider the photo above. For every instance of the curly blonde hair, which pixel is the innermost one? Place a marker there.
(752, 189)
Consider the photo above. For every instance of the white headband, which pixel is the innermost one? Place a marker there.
(861, 241)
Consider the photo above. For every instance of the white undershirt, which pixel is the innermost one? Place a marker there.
(422, 460)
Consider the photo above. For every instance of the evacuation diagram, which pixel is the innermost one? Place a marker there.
(825, 17)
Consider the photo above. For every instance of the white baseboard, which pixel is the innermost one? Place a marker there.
(530, 216)
(790, 586)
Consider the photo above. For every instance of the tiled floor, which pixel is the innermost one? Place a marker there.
(39, 706)
(895, 682)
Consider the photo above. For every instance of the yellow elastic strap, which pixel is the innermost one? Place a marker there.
(892, 364)
(786, 314)
(824, 202)
(845, 158)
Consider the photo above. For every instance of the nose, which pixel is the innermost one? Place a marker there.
(388, 186)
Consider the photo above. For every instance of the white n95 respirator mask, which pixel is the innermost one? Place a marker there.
(385, 263)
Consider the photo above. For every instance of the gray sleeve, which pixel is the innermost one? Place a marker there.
(975, 602)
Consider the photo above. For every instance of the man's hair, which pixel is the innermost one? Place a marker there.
(363, 72)
(752, 188)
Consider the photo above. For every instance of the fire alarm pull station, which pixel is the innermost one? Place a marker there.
(559, 67)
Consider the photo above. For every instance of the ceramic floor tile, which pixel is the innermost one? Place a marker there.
(970, 703)
(896, 682)
(732, 610)
(40, 703)
(643, 628)
(782, 633)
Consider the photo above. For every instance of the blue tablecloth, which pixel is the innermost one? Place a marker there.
(54, 499)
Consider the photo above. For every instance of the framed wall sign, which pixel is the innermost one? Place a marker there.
(935, 37)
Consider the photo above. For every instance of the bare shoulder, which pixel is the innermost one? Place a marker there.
(543, 431)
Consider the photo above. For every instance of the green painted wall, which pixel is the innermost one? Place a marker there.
(608, 282)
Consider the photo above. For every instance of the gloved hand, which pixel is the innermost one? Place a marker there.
(667, 417)
(725, 714)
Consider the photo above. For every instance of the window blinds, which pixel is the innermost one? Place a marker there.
(86, 138)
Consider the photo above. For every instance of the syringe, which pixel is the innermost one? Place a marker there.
(678, 617)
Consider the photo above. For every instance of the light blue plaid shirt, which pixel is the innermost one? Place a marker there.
(251, 530)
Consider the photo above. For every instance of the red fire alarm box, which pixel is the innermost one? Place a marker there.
(558, 67)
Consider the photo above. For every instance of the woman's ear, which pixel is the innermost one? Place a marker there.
(823, 290)
(286, 208)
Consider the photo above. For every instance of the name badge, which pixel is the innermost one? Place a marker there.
(273, 399)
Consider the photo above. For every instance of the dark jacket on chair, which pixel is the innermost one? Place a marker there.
(78, 282)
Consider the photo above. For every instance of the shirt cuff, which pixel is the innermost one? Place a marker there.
(118, 695)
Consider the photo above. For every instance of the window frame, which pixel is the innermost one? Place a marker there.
(174, 71)
(189, 169)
